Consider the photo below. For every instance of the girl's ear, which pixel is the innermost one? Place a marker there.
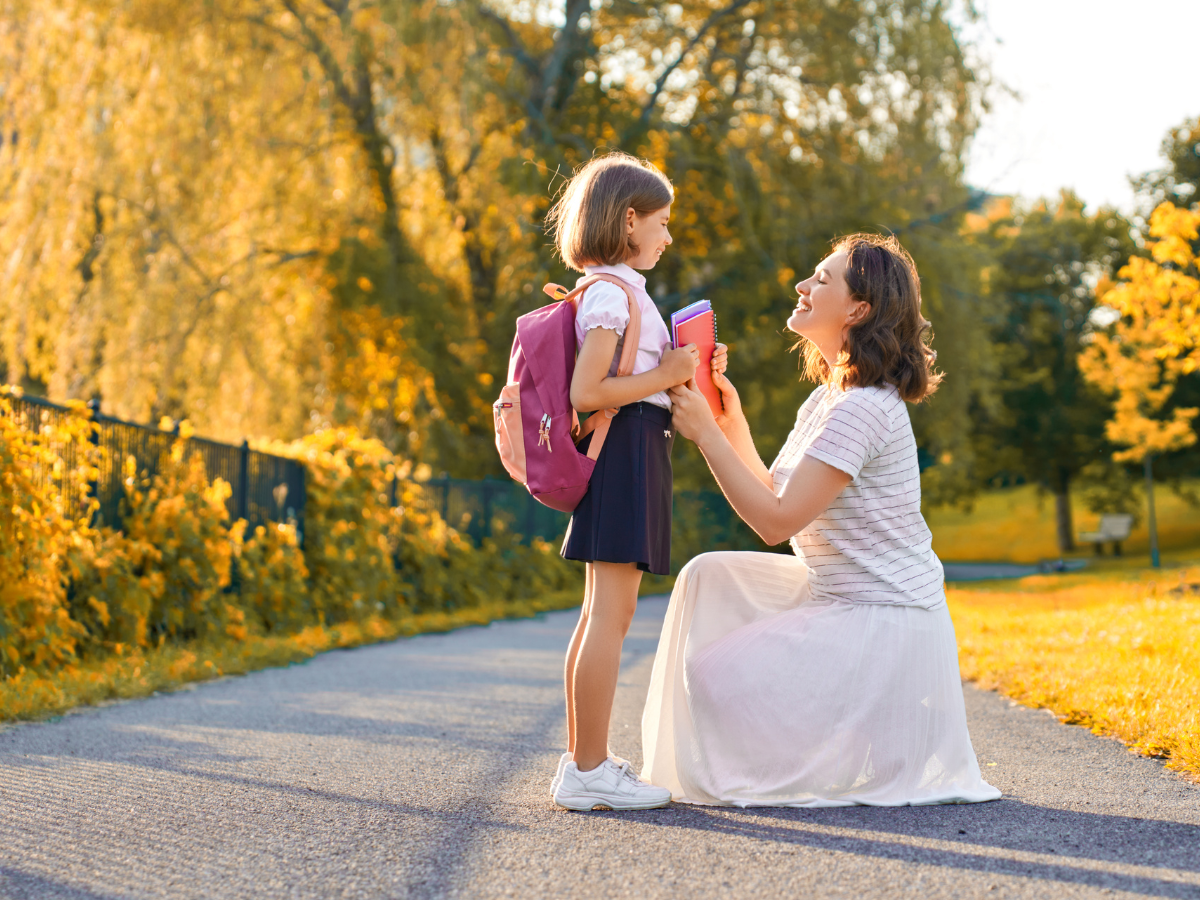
(629, 214)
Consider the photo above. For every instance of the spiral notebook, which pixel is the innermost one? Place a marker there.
(697, 324)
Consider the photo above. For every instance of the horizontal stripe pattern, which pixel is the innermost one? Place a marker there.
(872, 544)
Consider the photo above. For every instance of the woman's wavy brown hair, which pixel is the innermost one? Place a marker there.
(890, 345)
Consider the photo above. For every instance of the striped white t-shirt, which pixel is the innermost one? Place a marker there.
(871, 545)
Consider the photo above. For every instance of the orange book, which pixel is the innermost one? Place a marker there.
(697, 324)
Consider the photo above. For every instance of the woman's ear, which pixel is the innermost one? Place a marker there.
(858, 312)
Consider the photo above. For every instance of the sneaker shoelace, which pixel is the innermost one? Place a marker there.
(627, 772)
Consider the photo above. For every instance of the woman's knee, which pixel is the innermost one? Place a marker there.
(707, 563)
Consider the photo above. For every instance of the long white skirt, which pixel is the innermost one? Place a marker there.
(762, 696)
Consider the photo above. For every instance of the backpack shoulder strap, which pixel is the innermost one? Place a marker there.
(633, 332)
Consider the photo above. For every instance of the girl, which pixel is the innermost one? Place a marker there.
(830, 677)
(612, 219)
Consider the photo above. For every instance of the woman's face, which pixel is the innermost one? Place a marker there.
(649, 234)
(826, 309)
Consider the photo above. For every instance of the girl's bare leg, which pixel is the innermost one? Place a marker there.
(589, 582)
(598, 659)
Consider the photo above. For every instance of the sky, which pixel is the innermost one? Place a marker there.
(1101, 83)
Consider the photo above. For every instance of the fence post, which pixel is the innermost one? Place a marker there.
(243, 492)
(97, 516)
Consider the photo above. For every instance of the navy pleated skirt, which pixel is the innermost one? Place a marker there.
(625, 516)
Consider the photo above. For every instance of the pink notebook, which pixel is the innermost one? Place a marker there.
(697, 324)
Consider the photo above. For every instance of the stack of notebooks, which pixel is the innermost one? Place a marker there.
(697, 324)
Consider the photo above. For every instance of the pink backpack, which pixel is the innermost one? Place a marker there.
(536, 427)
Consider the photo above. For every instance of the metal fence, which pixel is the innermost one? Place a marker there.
(481, 509)
(268, 488)
(702, 520)
(265, 488)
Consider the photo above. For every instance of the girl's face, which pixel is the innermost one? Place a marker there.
(649, 234)
(826, 310)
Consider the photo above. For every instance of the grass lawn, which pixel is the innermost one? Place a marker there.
(1115, 648)
(1016, 525)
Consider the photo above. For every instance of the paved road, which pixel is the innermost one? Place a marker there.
(420, 769)
(987, 571)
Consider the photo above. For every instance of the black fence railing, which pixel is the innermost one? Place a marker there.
(268, 488)
(702, 520)
(265, 488)
(481, 509)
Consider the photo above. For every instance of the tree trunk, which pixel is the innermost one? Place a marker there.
(1062, 514)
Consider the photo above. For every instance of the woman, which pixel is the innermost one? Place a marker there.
(827, 678)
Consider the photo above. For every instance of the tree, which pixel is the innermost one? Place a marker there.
(1179, 180)
(1050, 422)
(783, 126)
(281, 214)
(1154, 343)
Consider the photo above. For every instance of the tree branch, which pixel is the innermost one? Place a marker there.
(648, 107)
(553, 70)
(516, 48)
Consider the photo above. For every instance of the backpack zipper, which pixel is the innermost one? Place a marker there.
(544, 433)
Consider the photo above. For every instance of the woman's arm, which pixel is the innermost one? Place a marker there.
(592, 389)
(810, 490)
(733, 422)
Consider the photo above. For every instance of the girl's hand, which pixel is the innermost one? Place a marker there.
(729, 400)
(690, 414)
(680, 364)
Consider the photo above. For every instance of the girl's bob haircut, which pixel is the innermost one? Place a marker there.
(890, 345)
(588, 219)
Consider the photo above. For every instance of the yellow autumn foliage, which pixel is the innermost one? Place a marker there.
(37, 531)
(1155, 341)
(82, 599)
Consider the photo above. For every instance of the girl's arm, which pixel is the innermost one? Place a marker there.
(810, 490)
(592, 389)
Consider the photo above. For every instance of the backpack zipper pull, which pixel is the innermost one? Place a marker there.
(544, 433)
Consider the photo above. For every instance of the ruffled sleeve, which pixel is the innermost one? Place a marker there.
(604, 305)
(853, 432)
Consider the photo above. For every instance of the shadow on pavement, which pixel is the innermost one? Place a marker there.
(1002, 825)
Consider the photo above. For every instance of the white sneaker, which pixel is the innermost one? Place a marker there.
(562, 764)
(610, 784)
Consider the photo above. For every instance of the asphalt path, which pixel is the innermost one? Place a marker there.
(420, 768)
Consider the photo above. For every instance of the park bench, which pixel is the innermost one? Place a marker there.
(1114, 527)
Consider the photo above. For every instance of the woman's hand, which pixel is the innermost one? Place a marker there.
(680, 364)
(690, 413)
(720, 359)
(732, 413)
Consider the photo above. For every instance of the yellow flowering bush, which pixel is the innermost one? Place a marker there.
(348, 524)
(182, 518)
(36, 531)
(115, 583)
(273, 580)
(372, 558)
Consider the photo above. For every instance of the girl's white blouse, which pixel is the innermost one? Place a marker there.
(604, 305)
